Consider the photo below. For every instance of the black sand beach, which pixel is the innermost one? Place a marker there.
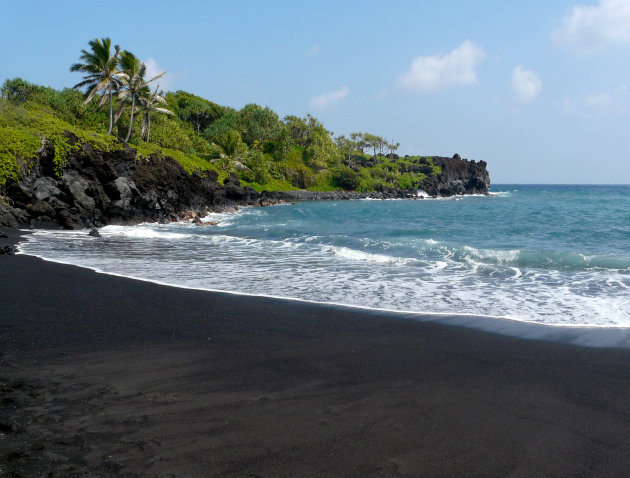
(106, 376)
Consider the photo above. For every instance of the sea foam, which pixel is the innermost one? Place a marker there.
(501, 256)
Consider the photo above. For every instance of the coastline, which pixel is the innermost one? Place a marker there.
(588, 334)
(104, 375)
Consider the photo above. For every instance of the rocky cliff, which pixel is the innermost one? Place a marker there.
(99, 188)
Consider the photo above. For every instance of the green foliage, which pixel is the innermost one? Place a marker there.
(197, 111)
(299, 130)
(229, 121)
(35, 121)
(224, 166)
(259, 168)
(18, 91)
(231, 144)
(405, 181)
(189, 162)
(345, 178)
(321, 150)
(322, 182)
(266, 152)
(17, 149)
(292, 168)
(272, 185)
(202, 148)
(101, 74)
(258, 124)
(168, 133)
(367, 182)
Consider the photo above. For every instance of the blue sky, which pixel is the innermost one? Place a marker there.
(540, 90)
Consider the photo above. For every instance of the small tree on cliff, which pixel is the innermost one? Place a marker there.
(102, 75)
(133, 73)
(150, 102)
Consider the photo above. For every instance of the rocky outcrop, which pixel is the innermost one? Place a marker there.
(459, 176)
(116, 187)
(113, 188)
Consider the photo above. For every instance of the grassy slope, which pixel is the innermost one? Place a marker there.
(23, 127)
(37, 113)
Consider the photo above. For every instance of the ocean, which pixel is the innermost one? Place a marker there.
(556, 255)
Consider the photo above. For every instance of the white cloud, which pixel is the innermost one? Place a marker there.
(329, 99)
(599, 102)
(154, 69)
(591, 29)
(526, 84)
(615, 102)
(430, 73)
(313, 51)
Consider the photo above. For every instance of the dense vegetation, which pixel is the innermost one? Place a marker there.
(265, 151)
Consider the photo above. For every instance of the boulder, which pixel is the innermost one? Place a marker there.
(69, 219)
(10, 216)
(77, 185)
(125, 189)
(6, 250)
(232, 179)
(46, 188)
(40, 208)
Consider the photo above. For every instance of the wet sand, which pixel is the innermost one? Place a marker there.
(107, 376)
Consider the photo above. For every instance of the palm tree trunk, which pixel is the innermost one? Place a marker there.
(111, 112)
(148, 126)
(133, 104)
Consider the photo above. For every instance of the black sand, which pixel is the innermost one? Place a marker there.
(105, 376)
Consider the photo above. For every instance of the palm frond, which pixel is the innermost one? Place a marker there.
(163, 110)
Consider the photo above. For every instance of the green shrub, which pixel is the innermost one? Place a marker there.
(227, 122)
(17, 149)
(273, 185)
(258, 168)
(345, 178)
(35, 122)
(18, 91)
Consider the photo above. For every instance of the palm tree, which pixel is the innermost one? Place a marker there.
(133, 73)
(231, 144)
(233, 149)
(149, 102)
(102, 73)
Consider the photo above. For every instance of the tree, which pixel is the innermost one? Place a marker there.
(193, 109)
(133, 73)
(321, 149)
(102, 74)
(258, 124)
(18, 90)
(231, 144)
(150, 102)
(374, 142)
(392, 148)
(359, 141)
(345, 178)
(300, 129)
(228, 121)
(258, 167)
(345, 146)
(284, 142)
(233, 150)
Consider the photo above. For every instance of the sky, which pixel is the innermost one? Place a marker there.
(539, 90)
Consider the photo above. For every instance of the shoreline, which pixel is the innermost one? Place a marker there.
(103, 375)
(597, 336)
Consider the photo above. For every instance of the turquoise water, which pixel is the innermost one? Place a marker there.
(550, 254)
